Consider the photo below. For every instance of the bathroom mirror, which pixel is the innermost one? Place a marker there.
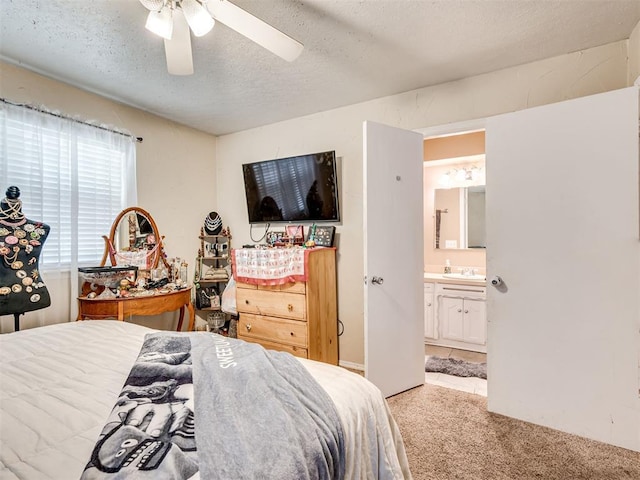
(459, 218)
(134, 240)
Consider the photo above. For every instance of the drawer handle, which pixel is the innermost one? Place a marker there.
(247, 302)
(466, 311)
(459, 310)
(248, 325)
(290, 307)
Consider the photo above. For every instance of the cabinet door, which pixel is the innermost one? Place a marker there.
(429, 319)
(450, 316)
(475, 321)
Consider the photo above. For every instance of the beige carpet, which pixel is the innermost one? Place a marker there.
(450, 435)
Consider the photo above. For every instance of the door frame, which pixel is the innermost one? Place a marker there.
(456, 128)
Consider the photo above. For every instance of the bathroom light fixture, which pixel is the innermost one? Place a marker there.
(463, 177)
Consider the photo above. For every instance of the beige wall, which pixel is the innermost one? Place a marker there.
(451, 146)
(175, 172)
(568, 76)
(634, 56)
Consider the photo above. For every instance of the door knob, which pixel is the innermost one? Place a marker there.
(496, 281)
(377, 280)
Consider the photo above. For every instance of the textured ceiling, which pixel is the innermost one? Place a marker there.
(354, 51)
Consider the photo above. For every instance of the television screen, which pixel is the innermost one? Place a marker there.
(293, 189)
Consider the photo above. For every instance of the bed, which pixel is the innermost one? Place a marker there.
(59, 384)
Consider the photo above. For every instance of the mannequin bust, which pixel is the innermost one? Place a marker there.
(21, 240)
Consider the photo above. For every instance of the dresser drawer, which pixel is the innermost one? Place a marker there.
(278, 330)
(296, 351)
(291, 287)
(271, 303)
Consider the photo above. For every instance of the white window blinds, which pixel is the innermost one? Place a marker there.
(72, 176)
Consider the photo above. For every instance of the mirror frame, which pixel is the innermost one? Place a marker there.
(110, 240)
(463, 218)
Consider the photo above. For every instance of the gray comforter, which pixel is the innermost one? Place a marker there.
(223, 407)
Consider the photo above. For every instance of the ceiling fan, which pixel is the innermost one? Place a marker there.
(172, 19)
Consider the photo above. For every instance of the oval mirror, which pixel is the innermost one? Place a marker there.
(134, 240)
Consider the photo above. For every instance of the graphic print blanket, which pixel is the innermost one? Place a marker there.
(228, 409)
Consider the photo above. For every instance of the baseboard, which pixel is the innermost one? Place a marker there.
(351, 366)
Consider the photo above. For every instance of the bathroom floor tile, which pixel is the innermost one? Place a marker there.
(432, 376)
(467, 356)
(437, 351)
(481, 388)
(473, 385)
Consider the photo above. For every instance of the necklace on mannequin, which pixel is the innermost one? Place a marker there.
(14, 210)
(12, 215)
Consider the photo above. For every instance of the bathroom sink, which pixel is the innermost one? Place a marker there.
(462, 276)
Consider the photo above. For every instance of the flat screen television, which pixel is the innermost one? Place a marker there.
(293, 189)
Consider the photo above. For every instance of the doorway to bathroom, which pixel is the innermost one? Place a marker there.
(454, 188)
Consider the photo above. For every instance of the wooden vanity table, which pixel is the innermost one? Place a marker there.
(134, 240)
(121, 308)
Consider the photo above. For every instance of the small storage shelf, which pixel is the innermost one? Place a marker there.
(212, 273)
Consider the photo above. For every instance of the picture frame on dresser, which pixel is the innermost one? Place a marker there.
(322, 235)
(274, 238)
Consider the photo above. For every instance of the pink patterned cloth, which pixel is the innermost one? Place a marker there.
(270, 266)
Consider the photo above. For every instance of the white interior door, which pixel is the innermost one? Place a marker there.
(393, 253)
(562, 233)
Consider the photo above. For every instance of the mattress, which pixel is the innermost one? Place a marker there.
(59, 383)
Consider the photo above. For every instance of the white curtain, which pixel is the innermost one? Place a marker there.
(73, 176)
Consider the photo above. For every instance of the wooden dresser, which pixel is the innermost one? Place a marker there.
(300, 318)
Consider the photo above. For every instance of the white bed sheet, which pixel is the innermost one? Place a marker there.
(59, 383)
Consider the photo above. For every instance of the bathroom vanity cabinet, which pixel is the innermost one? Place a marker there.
(455, 315)
(429, 311)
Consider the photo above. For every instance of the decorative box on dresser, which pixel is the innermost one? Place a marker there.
(297, 317)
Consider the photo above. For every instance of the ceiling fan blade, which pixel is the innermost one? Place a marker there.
(255, 29)
(178, 49)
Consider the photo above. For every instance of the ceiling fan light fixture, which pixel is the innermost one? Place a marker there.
(197, 17)
(160, 23)
(153, 5)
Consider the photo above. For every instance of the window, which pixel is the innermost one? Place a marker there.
(72, 176)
